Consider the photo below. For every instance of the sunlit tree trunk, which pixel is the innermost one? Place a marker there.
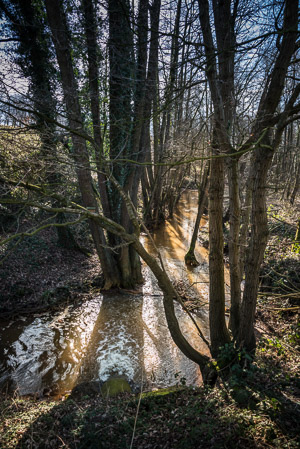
(258, 243)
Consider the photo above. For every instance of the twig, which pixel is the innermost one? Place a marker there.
(137, 412)
(281, 308)
(283, 221)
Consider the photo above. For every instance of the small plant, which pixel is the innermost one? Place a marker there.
(271, 343)
(294, 337)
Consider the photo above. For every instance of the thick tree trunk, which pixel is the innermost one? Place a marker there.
(36, 65)
(126, 123)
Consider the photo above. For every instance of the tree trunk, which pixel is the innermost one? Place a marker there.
(126, 122)
(296, 186)
(208, 372)
(57, 22)
(234, 245)
(262, 161)
(93, 75)
(35, 62)
(190, 258)
(258, 242)
(219, 334)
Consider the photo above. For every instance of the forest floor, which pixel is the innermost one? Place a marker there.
(258, 407)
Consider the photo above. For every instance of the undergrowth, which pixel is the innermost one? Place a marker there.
(257, 406)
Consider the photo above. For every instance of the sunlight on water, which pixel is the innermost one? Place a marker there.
(162, 358)
(47, 349)
(113, 334)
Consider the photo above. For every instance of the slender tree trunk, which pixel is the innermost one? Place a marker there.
(234, 244)
(245, 220)
(93, 75)
(219, 334)
(208, 373)
(296, 186)
(262, 161)
(190, 258)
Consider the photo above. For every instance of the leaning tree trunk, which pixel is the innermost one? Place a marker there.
(262, 162)
(57, 22)
(190, 258)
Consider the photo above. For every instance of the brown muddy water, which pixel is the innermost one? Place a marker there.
(112, 334)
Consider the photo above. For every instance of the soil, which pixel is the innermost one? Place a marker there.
(38, 274)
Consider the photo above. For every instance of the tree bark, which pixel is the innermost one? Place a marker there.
(57, 22)
(257, 246)
(234, 245)
(93, 75)
(262, 161)
(219, 334)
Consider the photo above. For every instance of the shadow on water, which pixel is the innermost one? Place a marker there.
(113, 333)
(116, 343)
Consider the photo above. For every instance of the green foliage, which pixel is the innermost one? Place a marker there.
(271, 343)
(294, 336)
(186, 418)
(236, 367)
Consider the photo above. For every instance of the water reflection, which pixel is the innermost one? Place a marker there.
(113, 333)
(45, 351)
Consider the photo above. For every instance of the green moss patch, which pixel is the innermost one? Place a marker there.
(115, 386)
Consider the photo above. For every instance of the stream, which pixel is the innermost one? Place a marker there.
(114, 333)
